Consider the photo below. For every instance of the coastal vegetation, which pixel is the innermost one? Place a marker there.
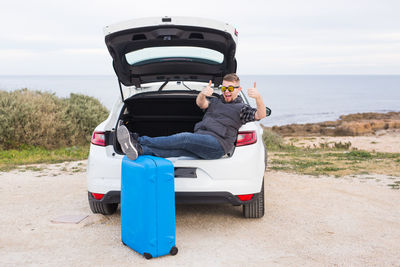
(12, 158)
(38, 127)
(347, 125)
(41, 119)
(335, 159)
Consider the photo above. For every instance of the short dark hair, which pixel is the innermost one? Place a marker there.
(231, 77)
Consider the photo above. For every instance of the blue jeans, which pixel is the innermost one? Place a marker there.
(182, 144)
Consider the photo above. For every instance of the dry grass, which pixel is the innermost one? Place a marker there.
(326, 158)
(334, 162)
(12, 158)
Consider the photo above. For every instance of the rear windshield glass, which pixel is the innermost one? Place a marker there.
(174, 53)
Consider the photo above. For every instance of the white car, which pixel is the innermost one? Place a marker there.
(162, 64)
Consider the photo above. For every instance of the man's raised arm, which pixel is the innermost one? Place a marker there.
(201, 99)
(261, 110)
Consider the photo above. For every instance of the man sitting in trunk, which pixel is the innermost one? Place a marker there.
(213, 136)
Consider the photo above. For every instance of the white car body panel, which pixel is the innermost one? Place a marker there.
(104, 169)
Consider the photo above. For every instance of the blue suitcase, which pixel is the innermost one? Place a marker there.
(148, 206)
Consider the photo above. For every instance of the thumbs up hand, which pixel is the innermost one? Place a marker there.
(253, 92)
(207, 91)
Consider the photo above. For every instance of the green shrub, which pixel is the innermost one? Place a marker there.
(359, 155)
(272, 140)
(340, 145)
(84, 113)
(42, 119)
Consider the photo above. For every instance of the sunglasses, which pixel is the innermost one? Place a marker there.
(229, 88)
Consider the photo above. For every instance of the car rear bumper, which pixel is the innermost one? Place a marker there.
(186, 198)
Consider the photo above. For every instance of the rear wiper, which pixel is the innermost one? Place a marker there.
(187, 87)
(163, 85)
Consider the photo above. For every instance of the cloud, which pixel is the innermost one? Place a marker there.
(84, 52)
(287, 36)
(42, 41)
(55, 62)
(17, 54)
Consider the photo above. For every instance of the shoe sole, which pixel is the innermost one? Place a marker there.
(124, 139)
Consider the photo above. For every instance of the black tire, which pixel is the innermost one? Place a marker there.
(255, 209)
(102, 208)
(147, 256)
(174, 251)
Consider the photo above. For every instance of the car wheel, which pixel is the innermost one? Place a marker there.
(102, 208)
(255, 209)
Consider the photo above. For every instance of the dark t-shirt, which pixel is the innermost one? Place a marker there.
(247, 113)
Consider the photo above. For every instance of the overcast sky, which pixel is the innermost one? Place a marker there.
(275, 37)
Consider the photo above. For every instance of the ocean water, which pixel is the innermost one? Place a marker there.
(292, 98)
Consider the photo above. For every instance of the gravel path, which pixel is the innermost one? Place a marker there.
(309, 221)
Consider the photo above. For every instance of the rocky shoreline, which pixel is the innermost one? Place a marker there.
(347, 125)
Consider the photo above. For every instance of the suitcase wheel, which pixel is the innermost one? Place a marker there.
(174, 251)
(147, 256)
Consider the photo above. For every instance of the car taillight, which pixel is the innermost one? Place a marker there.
(99, 138)
(97, 196)
(245, 197)
(246, 138)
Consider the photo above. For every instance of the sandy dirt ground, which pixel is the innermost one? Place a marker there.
(381, 141)
(308, 222)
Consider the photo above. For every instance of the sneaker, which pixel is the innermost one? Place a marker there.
(129, 144)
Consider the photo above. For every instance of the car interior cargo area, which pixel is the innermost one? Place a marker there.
(161, 114)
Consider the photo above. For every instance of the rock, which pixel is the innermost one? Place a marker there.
(347, 125)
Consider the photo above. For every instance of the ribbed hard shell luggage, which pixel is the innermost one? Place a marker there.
(148, 206)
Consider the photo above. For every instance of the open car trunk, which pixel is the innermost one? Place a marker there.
(161, 113)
